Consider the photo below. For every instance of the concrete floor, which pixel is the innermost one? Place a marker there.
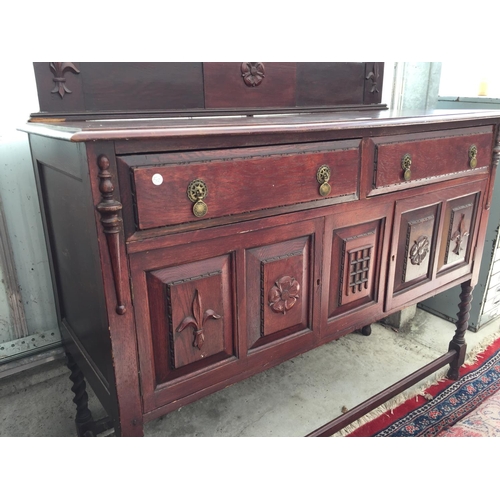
(291, 399)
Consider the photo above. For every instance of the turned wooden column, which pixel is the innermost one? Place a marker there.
(458, 342)
(83, 420)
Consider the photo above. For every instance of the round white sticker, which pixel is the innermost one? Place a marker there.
(157, 179)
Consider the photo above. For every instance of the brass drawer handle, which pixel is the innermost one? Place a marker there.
(197, 191)
(406, 166)
(473, 156)
(323, 176)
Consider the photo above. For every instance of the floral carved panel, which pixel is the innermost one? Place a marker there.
(284, 294)
(253, 73)
(418, 245)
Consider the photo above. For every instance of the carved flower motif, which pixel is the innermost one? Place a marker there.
(252, 73)
(419, 250)
(284, 294)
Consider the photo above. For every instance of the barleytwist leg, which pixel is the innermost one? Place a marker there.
(83, 420)
(458, 342)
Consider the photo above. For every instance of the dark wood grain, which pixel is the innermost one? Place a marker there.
(274, 269)
(120, 327)
(110, 209)
(226, 88)
(266, 179)
(107, 89)
(458, 343)
(432, 155)
(345, 83)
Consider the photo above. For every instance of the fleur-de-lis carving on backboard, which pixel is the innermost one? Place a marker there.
(197, 320)
(374, 75)
(58, 69)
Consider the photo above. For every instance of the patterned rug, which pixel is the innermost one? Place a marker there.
(442, 408)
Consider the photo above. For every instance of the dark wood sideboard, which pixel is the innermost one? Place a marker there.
(250, 212)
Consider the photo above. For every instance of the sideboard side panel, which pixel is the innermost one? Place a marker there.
(63, 184)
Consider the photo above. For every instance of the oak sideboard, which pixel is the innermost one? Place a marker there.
(191, 252)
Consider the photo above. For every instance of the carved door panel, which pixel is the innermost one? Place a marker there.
(184, 301)
(190, 316)
(355, 245)
(414, 247)
(433, 239)
(457, 232)
(280, 284)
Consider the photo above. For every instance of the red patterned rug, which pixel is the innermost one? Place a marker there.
(467, 407)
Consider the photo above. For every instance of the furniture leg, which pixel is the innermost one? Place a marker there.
(458, 342)
(84, 421)
(366, 330)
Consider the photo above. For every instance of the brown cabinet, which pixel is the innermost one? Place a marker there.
(190, 254)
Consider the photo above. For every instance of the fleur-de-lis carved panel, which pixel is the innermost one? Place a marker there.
(197, 320)
(373, 75)
(460, 236)
(59, 69)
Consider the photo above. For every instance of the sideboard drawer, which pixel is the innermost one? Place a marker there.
(183, 187)
(412, 159)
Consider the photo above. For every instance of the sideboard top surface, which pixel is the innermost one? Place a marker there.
(113, 129)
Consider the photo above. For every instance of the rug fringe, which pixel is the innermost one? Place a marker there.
(472, 357)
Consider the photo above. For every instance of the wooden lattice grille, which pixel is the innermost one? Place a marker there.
(359, 269)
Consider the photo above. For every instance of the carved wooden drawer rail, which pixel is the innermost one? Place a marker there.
(186, 257)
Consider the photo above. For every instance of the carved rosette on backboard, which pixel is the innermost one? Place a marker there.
(58, 69)
(109, 208)
(253, 73)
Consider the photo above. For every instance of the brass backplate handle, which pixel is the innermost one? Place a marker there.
(323, 177)
(406, 166)
(197, 191)
(473, 156)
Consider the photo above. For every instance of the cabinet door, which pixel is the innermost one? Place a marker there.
(458, 229)
(356, 246)
(184, 300)
(281, 286)
(433, 242)
(213, 309)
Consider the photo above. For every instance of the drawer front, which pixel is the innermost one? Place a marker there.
(233, 182)
(416, 158)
